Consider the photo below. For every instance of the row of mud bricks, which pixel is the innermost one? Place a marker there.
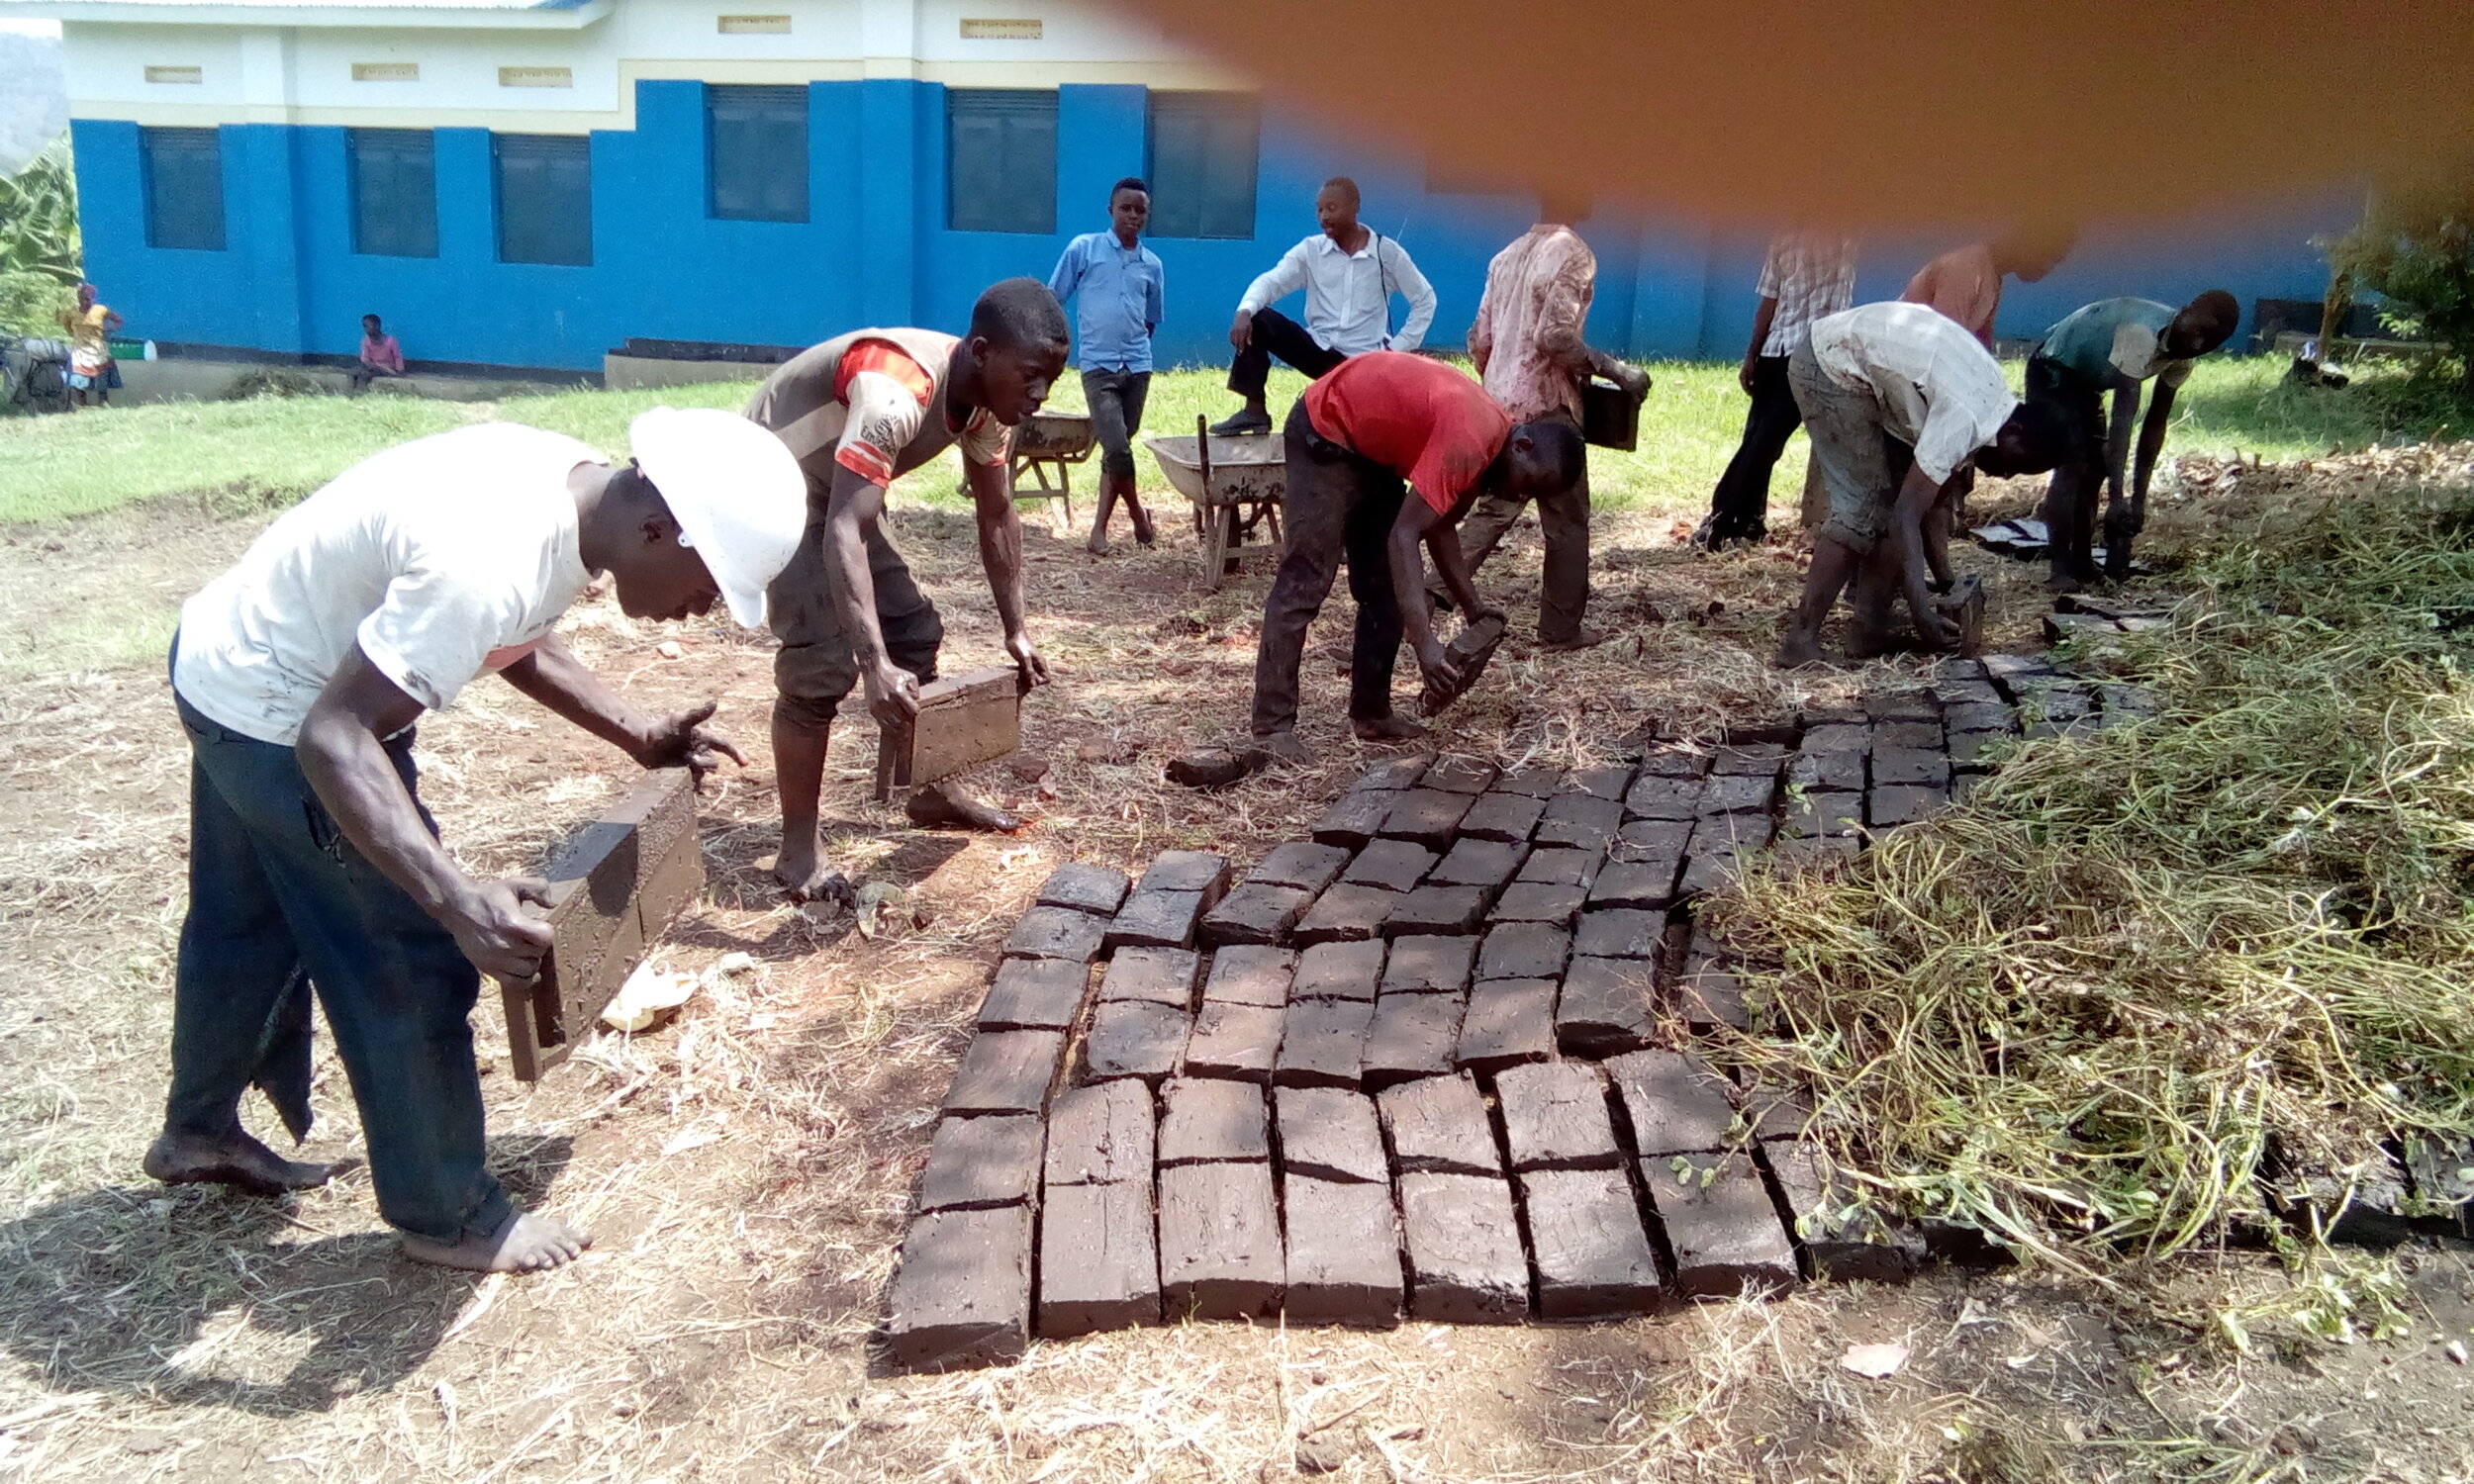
(1413, 1064)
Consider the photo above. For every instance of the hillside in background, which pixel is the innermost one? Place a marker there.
(34, 97)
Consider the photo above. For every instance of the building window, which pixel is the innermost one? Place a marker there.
(756, 152)
(544, 197)
(1000, 159)
(185, 187)
(395, 191)
(1204, 150)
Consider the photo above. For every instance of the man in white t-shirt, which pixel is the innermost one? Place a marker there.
(299, 674)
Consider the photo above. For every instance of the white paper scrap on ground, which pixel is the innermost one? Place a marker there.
(648, 994)
(1874, 1360)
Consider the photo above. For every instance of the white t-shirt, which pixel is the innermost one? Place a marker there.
(1940, 391)
(442, 558)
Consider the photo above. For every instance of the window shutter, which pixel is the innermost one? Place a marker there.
(183, 171)
(395, 191)
(544, 197)
(756, 152)
(1000, 159)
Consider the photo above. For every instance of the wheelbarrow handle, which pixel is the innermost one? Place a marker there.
(1203, 450)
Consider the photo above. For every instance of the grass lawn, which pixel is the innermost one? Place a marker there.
(239, 456)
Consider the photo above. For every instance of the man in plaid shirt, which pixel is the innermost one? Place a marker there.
(1808, 274)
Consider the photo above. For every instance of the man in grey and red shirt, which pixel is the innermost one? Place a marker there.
(1373, 428)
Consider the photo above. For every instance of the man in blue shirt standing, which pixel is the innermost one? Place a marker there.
(1118, 281)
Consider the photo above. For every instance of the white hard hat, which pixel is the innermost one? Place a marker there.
(735, 491)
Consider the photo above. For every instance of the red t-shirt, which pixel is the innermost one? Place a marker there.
(1419, 419)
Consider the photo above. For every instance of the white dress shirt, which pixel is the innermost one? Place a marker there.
(1348, 295)
(1941, 390)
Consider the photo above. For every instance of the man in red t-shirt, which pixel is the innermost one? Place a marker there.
(1374, 427)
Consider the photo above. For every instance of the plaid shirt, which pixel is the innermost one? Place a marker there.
(1810, 274)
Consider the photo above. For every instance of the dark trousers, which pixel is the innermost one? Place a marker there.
(1338, 508)
(1275, 334)
(815, 667)
(275, 892)
(2079, 479)
(1115, 399)
(1739, 509)
(1564, 520)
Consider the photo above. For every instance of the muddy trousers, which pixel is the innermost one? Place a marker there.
(1339, 507)
(279, 901)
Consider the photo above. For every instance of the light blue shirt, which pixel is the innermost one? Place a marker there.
(1120, 289)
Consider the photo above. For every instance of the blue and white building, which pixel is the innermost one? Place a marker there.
(533, 183)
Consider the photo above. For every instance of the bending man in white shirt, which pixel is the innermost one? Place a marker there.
(299, 674)
(1349, 272)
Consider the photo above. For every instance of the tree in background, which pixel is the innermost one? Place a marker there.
(41, 251)
(2415, 248)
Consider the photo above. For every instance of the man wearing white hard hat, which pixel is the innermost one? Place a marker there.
(299, 674)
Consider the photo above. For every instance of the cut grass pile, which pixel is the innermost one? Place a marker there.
(2085, 1011)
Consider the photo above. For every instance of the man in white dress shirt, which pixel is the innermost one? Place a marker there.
(1349, 272)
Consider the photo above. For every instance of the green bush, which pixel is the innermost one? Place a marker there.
(41, 252)
(2416, 247)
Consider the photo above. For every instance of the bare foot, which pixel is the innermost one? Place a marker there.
(1587, 638)
(805, 878)
(1797, 652)
(1389, 729)
(1284, 747)
(944, 806)
(1097, 545)
(523, 1243)
(2063, 582)
(237, 1161)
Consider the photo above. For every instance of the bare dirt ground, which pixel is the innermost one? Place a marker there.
(747, 1167)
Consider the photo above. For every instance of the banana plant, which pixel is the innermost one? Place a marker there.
(39, 218)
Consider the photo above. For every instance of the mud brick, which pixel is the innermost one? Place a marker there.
(1906, 765)
(1057, 933)
(1748, 760)
(1907, 736)
(1555, 1117)
(1581, 821)
(1331, 1134)
(1465, 1257)
(1427, 816)
(1347, 913)
(1643, 885)
(1902, 704)
(1651, 839)
(1708, 993)
(1101, 1269)
(1250, 975)
(2064, 701)
(1740, 832)
(1674, 761)
(1155, 919)
(1323, 1043)
(1598, 782)
(1390, 775)
(1344, 1253)
(1561, 866)
(1254, 915)
(1903, 803)
(1098, 890)
(1853, 736)
(1186, 870)
(1811, 853)
(1339, 970)
(1413, 1036)
(1738, 795)
(1438, 1126)
(963, 1294)
(1537, 901)
(1133, 1039)
(1353, 818)
(1828, 770)
(1437, 909)
(1974, 751)
(1775, 1111)
(1485, 864)
(1607, 1006)
(1713, 869)
(1219, 1241)
(1240, 1042)
(1458, 776)
(1676, 1104)
(1524, 951)
(1842, 1236)
(1213, 1121)
(2008, 669)
(982, 1162)
(1720, 1222)
(1498, 815)
(1429, 965)
(1534, 781)
(1301, 865)
(1160, 975)
(1393, 864)
(1593, 1258)
(1005, 1071)
(1034, 994)
(1100, 1135)
(1620, 933)
(1823, 813)
(1509, 1021)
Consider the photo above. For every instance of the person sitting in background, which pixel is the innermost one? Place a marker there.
(1349, 272)
(92, 372)
(1900, 402)
(1119, 283)
(1807, 275)
(380, 354)
(2114, 345)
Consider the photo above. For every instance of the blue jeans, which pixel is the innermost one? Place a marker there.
(276, 892)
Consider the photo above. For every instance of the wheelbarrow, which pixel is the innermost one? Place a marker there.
(1235, 486)
(1046, 446)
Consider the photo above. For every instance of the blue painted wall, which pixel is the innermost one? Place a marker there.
(876, 248)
